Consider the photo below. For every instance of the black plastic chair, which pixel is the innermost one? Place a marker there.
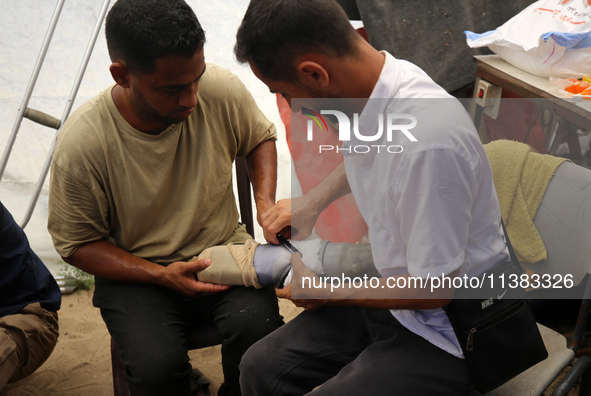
(564, 223)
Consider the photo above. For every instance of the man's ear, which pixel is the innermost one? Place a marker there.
(313, 74)
(120, 74)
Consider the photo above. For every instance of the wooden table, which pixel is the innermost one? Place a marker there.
(495, 70)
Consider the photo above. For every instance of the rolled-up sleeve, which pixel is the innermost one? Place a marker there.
(251, 126)
(78, 212)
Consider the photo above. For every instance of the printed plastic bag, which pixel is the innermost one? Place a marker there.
(548, 38)
(572, 87)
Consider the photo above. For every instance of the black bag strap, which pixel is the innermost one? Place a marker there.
(509, 246)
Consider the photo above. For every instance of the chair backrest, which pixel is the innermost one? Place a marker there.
(564, 223)
(244, 199)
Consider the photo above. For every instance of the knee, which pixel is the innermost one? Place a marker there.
(155, 371)
(158, 372)
(249, 326)
(255, 366)
(12, 357)
(252, 320)
(34, 334)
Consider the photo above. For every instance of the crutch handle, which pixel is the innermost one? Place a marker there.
(42, 118)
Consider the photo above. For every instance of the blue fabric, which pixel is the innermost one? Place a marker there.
(474, 36)
(24, 279)
(570, 40)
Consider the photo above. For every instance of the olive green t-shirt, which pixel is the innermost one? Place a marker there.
(161, 197)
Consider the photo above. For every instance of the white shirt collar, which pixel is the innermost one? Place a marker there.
(387, 84)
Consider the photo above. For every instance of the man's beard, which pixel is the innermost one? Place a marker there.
(146, 112)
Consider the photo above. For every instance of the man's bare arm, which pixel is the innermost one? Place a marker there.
(106, 260)
(262, 170)
(379, 295)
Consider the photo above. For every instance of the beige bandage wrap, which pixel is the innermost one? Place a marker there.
(230, 265)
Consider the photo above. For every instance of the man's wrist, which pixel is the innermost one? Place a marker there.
(316, 202)
(158, 275)
(262, 205)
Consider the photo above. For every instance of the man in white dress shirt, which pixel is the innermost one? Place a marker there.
(430, 205)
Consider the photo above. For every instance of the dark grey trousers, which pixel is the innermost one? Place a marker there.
(350, 351)
(150, 325)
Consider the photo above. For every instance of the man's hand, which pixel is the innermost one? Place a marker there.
(180, 276)
(307, 303)
(103, 259)
(262, 208)
(277, 220)
(292, 218)
(300, 271)
(302, 213)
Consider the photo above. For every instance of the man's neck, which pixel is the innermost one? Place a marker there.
(358, 77)
(364, 72)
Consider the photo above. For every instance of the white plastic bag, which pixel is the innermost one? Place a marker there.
(548, 38)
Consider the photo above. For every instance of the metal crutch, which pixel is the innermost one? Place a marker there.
(41, 117)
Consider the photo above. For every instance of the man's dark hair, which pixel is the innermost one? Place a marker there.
(140, 31)
(274, 33)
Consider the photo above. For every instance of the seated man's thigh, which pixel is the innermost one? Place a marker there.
(251, 312)
(304, 353)
(402, 364)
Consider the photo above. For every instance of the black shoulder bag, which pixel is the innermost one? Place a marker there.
(495, 326)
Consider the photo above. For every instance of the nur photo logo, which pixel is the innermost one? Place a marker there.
(381, 133)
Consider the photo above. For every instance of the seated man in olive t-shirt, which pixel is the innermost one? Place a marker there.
(141, 181)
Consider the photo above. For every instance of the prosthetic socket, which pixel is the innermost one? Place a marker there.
(253, 264)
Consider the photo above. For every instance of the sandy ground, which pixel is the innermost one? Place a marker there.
(80, 365)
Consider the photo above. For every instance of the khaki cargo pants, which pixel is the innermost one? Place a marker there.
(27, 338)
